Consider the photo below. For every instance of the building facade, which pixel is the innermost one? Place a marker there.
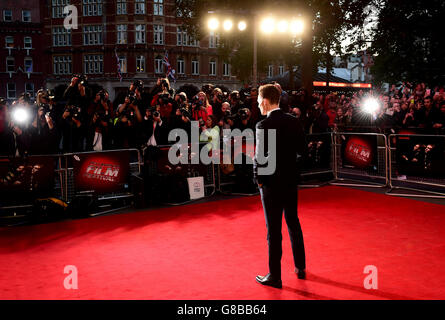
(138, 34)
(21, 48)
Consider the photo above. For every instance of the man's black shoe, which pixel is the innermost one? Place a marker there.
(267, 280)
(300, 273)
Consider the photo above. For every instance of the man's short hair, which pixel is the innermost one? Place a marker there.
(271, 93)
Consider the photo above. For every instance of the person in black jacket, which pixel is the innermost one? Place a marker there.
(276, 171)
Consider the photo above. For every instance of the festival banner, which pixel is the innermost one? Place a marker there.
(102, 172)
(359, 152)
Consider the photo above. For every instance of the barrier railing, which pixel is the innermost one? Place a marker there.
(236, 177)
(158, 166)
(416, 164)
(319, 160)
(361, 158)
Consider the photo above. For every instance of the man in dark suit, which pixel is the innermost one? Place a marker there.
(282, 134)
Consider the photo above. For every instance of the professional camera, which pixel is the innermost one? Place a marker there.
(228, 116)
(243, 113)
(74, 111)
(132, 97)
(185, 111)
(138, 84)
(102, 95)
(196, 102)
(82, 79)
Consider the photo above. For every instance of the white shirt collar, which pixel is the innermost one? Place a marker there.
(269, 112)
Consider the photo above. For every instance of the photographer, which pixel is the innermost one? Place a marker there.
(200, 105)
(252, 104)
(43, 133)
(127, 127)
(317, 119)
(182, 114)
(141, 99)
(20, 117)
(77, 93)
(227, 120)
(163, 99)
(100, 115)
(243, 120)
(217, 101)
(72, 129)
(154, 128)
(235, 102)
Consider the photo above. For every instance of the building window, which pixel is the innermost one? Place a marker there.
(58, 6)
(195, 67)
(26, 16)
(212, 68)
(92, 35)
(158, 7)
(9, 42)
(181, 66)
(158, 31)
(123, 64)
(140, 33)
(213, 40)
(121, 33)
(10, 64)
(27, 42)
(62, 64)
(183, 39)
(29, 88)
(140, 64)
(158, 65)
(270, 71)
(11, 91)
(28, 65)
(7, 15)
(61, 37)
(226, 69)
(139, 7)
(93, 64)
(92, 7)
(281, 70)
(121, 7)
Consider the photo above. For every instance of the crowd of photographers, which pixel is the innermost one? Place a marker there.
(86, 120)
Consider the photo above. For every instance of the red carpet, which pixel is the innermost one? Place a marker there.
(214, 251)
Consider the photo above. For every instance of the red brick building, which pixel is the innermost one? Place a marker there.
(139, 32)
(21, 48)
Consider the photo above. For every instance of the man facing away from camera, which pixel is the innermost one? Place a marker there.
(279, 190)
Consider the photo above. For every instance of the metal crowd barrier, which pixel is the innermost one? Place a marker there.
(186, 170)
(319, 160)
(418, 186)
(374, 177)
(229, 176)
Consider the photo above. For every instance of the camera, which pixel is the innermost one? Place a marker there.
(74, 111)
(243, 113)
(138, 84)
(196, 102)
(228, 116)
(82, 79)
(102, 95)
(132, 97)
(185, 112)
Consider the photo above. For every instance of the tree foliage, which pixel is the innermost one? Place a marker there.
(330, 20)
(409, 42)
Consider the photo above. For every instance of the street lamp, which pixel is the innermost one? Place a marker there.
(267, 25)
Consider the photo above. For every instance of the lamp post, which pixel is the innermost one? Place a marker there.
(292, 26)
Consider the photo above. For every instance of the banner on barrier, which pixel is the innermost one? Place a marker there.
(422, 156)
(102, 172)
(359, 151)
(33, 176)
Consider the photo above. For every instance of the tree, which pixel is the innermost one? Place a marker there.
(329, 21)
(409, 42)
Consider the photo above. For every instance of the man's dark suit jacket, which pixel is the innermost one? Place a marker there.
(290, 146)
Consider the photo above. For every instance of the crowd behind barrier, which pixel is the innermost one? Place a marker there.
(83, 119)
